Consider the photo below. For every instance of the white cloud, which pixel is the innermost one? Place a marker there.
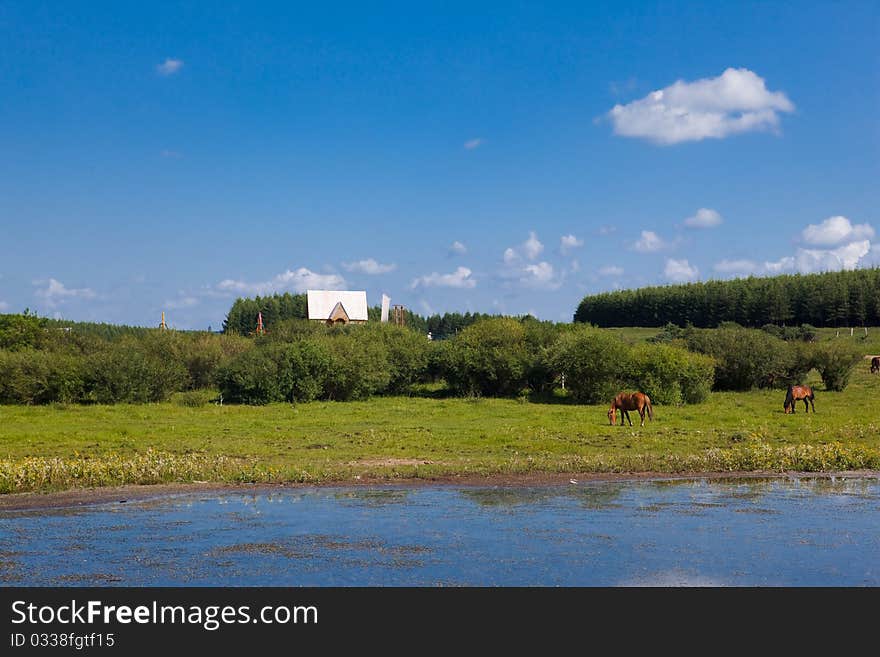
(846, 256)
(607, 230)
(368, 266)
(843, 257)
(56, 292)
(610, 270)
(539, 276)
(460, 278)
(569, 242)
(781, 265)
(836, 230)
(532, 247)
(649, 242)
(173, 155)
(704, 218)
(575, 266)
(457, 248)
(4, 306)
(471, 144)
(169, 66)
(737, 267)
(680, 271)
(299, 280)
(181, 302)
(734, 102)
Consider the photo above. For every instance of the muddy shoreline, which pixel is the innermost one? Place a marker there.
(132, 493)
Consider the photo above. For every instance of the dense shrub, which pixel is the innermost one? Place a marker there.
(21, 332)
(303, 368)
(835, 362)
(670, 375)
(132, 370)
(748, 358)
(407, 357)
(358, 368)
(250, 378)
(595, 363)
(203, 354)
(36, 377)
(487, 358)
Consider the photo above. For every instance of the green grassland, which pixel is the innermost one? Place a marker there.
(57, 446)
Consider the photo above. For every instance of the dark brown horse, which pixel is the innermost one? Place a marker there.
(630, 401)
(798, 393)
(875, 364)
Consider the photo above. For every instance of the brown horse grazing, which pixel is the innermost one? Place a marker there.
(875, 364)
(797, 393)
(626, 401)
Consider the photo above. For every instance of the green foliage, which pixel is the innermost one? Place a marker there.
(844, 298)
(670, 375)
(303, 368)
(24, 331)
(193, 398)
(36, 377)
(748, 358)
(359, 365)
(132, 370)
(835, 362)
(250, 378)
(407, 356)
(488, 358)
(242, 317)
(595, 363)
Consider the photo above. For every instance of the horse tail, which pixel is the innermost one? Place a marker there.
(650, 408)
(789, 396)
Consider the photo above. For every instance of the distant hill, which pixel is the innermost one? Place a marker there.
(832, 299)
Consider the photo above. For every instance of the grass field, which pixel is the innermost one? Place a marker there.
(57, 447)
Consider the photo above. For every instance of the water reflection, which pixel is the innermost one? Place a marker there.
(676, 532)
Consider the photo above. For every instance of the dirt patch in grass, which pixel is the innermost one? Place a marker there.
(390, 462)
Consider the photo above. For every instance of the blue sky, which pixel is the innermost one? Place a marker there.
(458, 156)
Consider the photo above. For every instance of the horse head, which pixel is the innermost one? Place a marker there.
(612, 415)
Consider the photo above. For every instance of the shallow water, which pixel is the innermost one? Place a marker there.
(817, 532)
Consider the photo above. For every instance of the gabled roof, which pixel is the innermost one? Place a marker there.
(322, 303)
(338, 313)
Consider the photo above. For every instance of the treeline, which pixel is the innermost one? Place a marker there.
(748, 358)
(41, 364)
(242, 316)
(300, 361)
(833, 299)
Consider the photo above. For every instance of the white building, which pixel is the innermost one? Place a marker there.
(337, 306)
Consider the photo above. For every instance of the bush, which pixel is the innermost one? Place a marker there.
(487, 358)
(671, 375)
(595, 363)
(19, 332)
(193, 398)
(835, 362)
(134, 371)
(36, 377)
(303, 368)
(358, 367)
(749, 358)
(204, 354)
(250, 378)
(407, 357)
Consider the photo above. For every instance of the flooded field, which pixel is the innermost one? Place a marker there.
(696, 532)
